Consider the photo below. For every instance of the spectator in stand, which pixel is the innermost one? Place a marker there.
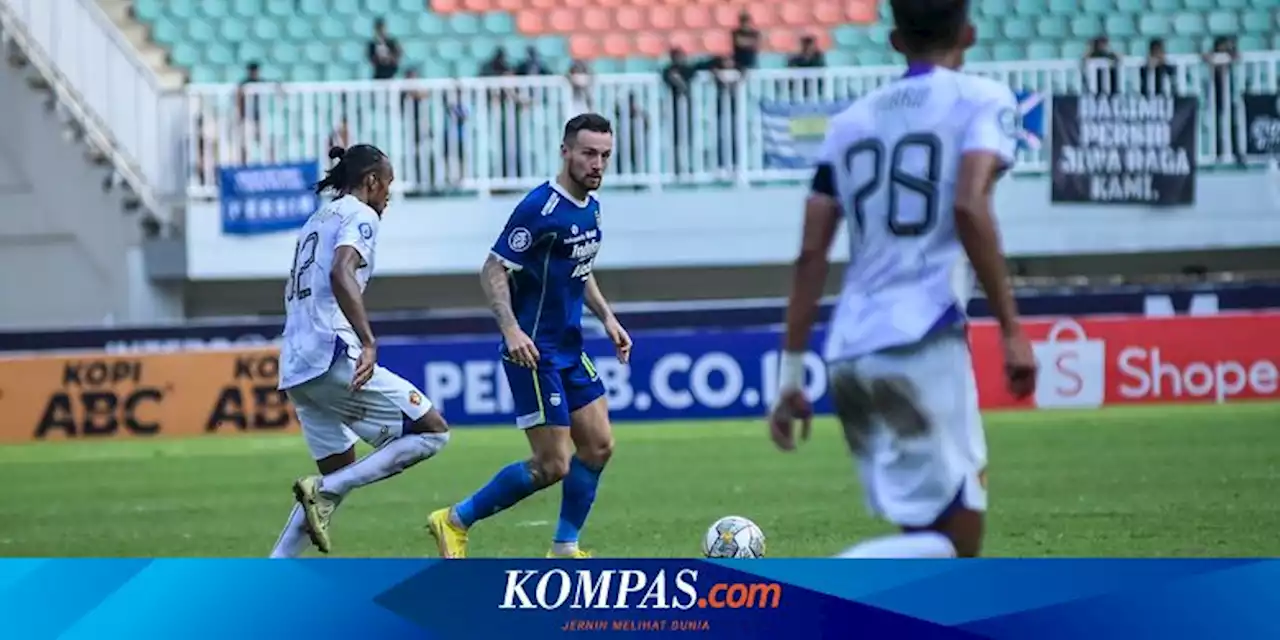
(532, 64)
(497, 64)
(1156, 75)
(727, 76)
(249, 113)
(1222, 60)
(384, 52)
(678, 77)
(809, 56)
(580, 81)
(746, 43)
(1101, 67)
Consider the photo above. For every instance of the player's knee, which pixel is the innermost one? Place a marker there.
(550, 468)
(596, 454)
(430, 422)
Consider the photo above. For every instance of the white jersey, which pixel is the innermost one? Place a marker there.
(896, 155)
(314, 324)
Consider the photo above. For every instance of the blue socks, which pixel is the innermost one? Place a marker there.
(509, 486)
(575, 503)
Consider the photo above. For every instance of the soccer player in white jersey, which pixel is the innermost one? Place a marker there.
(911, 167)
(329, 361)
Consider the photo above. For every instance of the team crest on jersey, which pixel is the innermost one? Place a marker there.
(415, 398)
(1008, 120)
(555, 399)
(573, 230)
(366, 230)
(520, 239)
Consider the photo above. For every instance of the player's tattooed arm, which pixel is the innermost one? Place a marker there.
(346, 289)
(596, 301)
(493, 278)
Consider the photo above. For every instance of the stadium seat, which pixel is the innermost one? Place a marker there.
(325, 39)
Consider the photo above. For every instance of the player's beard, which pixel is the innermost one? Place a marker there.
(587, 181)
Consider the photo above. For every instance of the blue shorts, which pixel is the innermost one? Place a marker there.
(548, 395)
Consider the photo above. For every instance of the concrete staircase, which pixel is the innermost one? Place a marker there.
(139, 35)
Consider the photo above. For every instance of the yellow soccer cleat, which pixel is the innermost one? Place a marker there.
(576, 554)
(318, 506)
(451, 540)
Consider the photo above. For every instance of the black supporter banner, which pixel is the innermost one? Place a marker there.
(1262, 124)
(1124, 149)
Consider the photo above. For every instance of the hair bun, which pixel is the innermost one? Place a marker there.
(336, 153)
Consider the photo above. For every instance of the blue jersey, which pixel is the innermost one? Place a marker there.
(549, 246)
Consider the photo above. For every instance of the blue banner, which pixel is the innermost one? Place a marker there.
(267, 198)
(672, 375)
(943, 599)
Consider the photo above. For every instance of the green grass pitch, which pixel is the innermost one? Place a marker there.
(1152, 481)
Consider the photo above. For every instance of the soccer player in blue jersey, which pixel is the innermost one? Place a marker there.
(537, 278)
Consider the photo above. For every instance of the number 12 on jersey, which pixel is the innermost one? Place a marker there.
(306, 247)
(890, 170)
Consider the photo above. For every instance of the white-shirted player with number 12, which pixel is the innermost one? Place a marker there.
(329, 359)
(911, 167)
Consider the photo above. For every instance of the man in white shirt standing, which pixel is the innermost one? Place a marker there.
(911, 167)
(328, 363)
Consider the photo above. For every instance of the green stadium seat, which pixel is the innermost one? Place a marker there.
(1264, 4)
(1117, 26)
(313, 8)
(165, 32)
(872, 57)
(148, 10)
(1252, 42)
(1233, 4)
(978, 53)
(1064, 7)
(417, 51)
(220, 54)
(1074, 49)
(184, 54)
(1086, 27)
(480, 47)
(184, 9)
(345, 7)
(1018, 29)
(1256, 22)
(1200, 5)
(450, 49)
(338, 73)
(844, 58)
(1030, 8)
(432, 68)
(304, 73)
(1223, 23)
(1181, 45)
(250, 52)
(379, 7)
(233, 30)
(213, 8)
(1052, 27)
(1154, 26)
(552, 47)
(316, 52)
(300, 30)
(284, 53)
(606, 65)
(332, 28)
(410, 7)
(431, 24)
(1042, 51)
(1100, 7)
(281, 8)
(1189, 24)
(362, 27)
(204, 75)
(351, 52)
(498, 24)
(995, 8)
(878, 35)
(650, 65)
(201, 31)
(247, 8)
(1008, 52)
(847, 37)
(401, 28)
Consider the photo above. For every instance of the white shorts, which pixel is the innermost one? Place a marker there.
(911, 417)
(334, 418)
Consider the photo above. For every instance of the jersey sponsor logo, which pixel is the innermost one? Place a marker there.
(585, 250)
(520, 239)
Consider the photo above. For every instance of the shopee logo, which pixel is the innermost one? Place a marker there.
(1146, 375)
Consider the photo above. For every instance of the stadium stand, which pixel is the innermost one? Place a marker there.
(308, 40)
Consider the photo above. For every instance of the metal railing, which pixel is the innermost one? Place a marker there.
(100, 79)
(498, 134)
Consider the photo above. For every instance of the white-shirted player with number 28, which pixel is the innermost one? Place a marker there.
(911, 167)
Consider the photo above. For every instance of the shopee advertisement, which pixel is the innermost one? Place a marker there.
(1134, 360)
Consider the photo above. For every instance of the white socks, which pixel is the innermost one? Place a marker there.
(922, 544)
(294, 539)
(389, 460)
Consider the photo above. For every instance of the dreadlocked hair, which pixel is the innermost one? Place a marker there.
(354, 163)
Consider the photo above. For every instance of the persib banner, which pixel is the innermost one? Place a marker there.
(260, 199)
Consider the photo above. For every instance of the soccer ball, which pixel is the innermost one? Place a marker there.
(733, 537)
